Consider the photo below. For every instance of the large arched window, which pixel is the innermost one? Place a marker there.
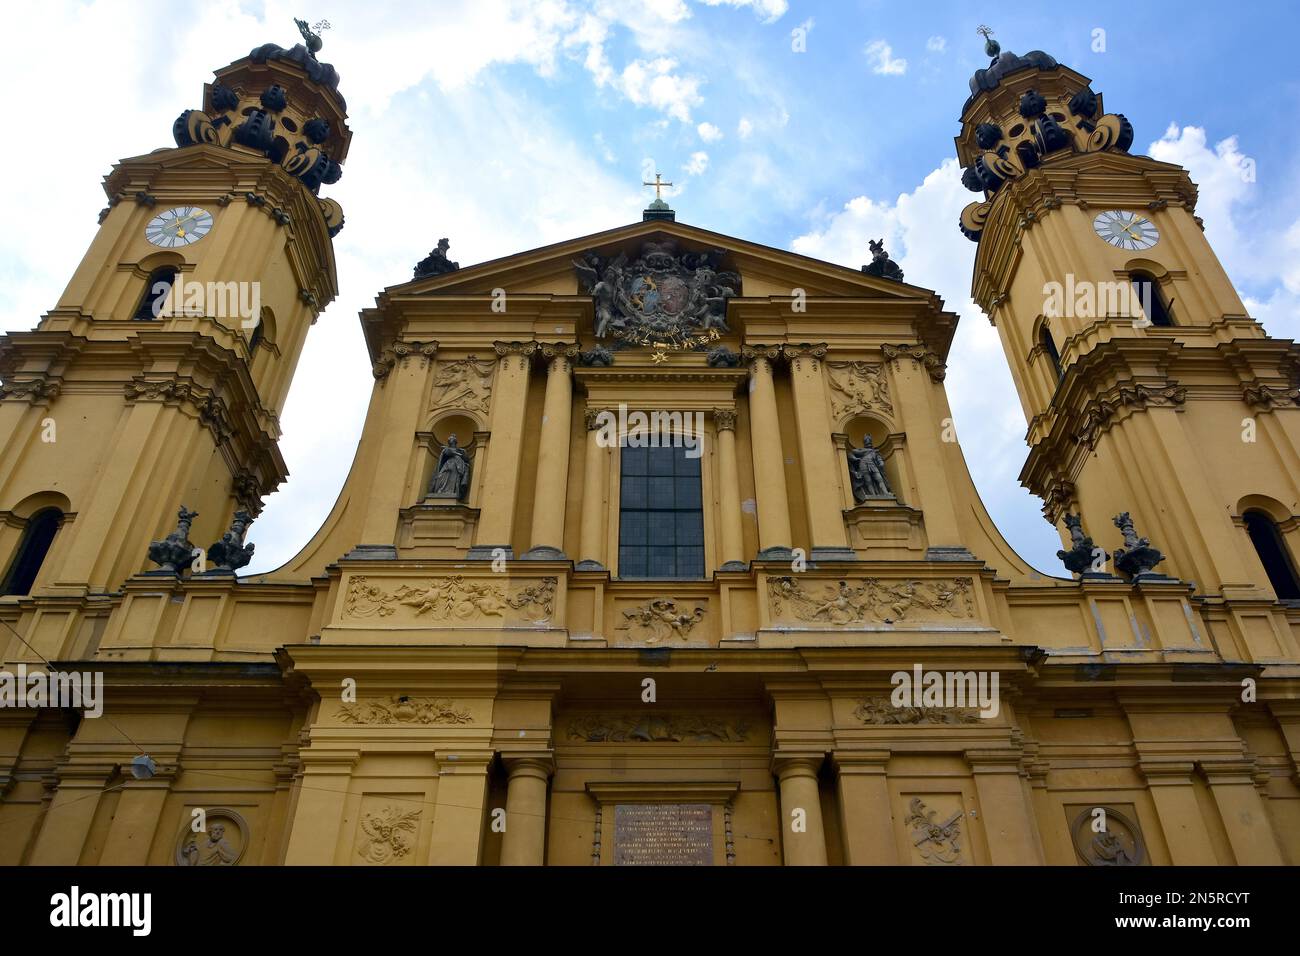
(35, 545)
(1153, 303)
(156, 291)
(661, 517)
(1273, 555)
(1049, 348)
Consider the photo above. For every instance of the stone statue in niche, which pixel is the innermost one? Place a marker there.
(451, 478)
(867, 473)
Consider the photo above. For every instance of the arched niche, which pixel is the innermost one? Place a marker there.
(37, 520)
(1273, 535)
(464, 426)
(890, 444)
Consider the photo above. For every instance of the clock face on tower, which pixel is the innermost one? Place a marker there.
(1126, 230)
(178, 227)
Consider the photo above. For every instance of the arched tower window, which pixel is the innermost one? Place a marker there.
(1273, 555)
(1049, 348)
(1153, 303)
(155, 292)
(37, 538)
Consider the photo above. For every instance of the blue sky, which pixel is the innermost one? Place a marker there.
(506, 125)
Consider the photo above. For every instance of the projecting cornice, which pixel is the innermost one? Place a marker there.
(213, 175)
(1087, 181)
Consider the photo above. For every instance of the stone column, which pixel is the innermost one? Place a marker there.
(404, 388)
(774, 538)
(817, 462)
(1171, 789)
(500, 487)
(1008, 820)
(867, 820)
(733, 535)
(135, 821)
(318, 812)
(457, 836)
(69, 816)
(524, 842)
(591, 540)
(915, 371)
(553, 455)
(1242, 810)
(799, 792)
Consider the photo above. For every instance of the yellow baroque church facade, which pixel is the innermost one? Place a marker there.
(647, 530)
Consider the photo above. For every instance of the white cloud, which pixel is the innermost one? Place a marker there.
(709, 133)
(937, 44)
(769, 11)
(1221, 185)
(697, 164)
(745, 128)
(654, 83)
(920, 233)
(1267, 258)
(882, 58)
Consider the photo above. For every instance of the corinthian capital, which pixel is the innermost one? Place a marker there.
(752, 353)
(524, 349)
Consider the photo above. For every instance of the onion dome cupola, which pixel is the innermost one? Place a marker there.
(283, 104)
(1023, 112)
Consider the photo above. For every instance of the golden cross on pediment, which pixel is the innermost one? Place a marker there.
(658, 184)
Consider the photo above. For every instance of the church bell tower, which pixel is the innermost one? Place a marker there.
(1147, 388)
(158, 378)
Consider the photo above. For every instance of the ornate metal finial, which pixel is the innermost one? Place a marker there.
(1079, 559)
(311, 35)
(436, 262)
(881, 265)
(230, 553)
(991, 46)
(174, 551)
(1137, 557)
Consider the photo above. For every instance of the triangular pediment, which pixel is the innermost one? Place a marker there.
(764, 270)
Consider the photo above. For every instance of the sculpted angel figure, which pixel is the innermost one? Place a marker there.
(451, 479)
(603, 280)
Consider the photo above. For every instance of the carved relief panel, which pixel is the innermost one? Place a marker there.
(1106, 835)
(463, 385)
(388, 829)
(935, 829)
(857, 388)
(452, 600)
(222, 841)
(860, 601)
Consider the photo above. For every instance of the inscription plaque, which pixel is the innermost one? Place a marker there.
(663, 834)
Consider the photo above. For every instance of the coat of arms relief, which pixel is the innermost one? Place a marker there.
(664, 298)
